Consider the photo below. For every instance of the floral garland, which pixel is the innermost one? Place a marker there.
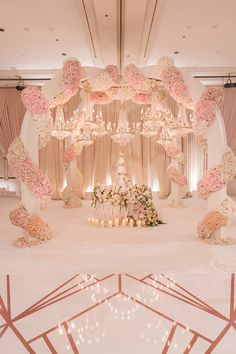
(173, 81)
(72, 194)
(175, 176)
(70, 154)
(70, 83)
(36, 230)
(142, 98)
(103, 81)
(215, 220)
(217, 177)
(136, 199)
(121, 93)
(34, 101)
(26, 171)
(44, 126)
(98, 97)
(173, 152)
(205, 112)
(71, 76)
(133, 77)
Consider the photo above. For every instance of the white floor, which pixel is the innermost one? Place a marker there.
(114, 314)
(173, 247)
(116, 304)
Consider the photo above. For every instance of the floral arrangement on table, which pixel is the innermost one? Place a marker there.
(36, 231)
(205, 112)
(215, 220)
(172, 79)
(73, 193)
(217, 177)
(136, 202)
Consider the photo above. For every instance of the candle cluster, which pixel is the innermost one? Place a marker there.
(115, 222)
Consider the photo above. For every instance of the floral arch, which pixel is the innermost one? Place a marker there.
(102, 88)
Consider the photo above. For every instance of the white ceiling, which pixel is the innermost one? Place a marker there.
(38, 32)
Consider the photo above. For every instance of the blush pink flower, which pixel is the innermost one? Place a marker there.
(71, 76)
(112, 70)
(211, 182)
(98, 97)
(142, 98)
(172, 151)
(134, 77)
(33, 100)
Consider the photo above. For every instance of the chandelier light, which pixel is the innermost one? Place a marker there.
(166, 136)
(123, 134)
(62, 129)
(182, 125)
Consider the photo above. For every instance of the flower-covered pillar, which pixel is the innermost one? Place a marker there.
(30, 139)
(176, 191)
(217, 146)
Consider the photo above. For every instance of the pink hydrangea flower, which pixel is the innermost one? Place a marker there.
(34, 101)
(142, 98)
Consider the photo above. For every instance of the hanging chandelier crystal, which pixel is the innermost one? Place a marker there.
(182, 125)
(151, 119)
(62, 129)
(85, 135)
(101, 127)
(166, 136)
(123, 134)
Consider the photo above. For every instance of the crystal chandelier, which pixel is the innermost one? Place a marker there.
(166, 136)
(62, 129)
(182, 124)
(123, 134)
(85, 135)
(101, 128)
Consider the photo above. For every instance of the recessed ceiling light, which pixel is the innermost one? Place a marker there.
(176, 52)
(2, 29)
(64, 54)
(26, 29)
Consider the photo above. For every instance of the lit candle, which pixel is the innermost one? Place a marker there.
(110, 223)
(89, 220)
(96, 222)
(139, 223)
(102, 224)
(131, 222)
(124, 223)
(116, 222)
(92, 221)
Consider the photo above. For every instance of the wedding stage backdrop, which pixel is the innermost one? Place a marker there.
(146, 160)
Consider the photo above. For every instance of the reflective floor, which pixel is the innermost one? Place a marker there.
(118, 313)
